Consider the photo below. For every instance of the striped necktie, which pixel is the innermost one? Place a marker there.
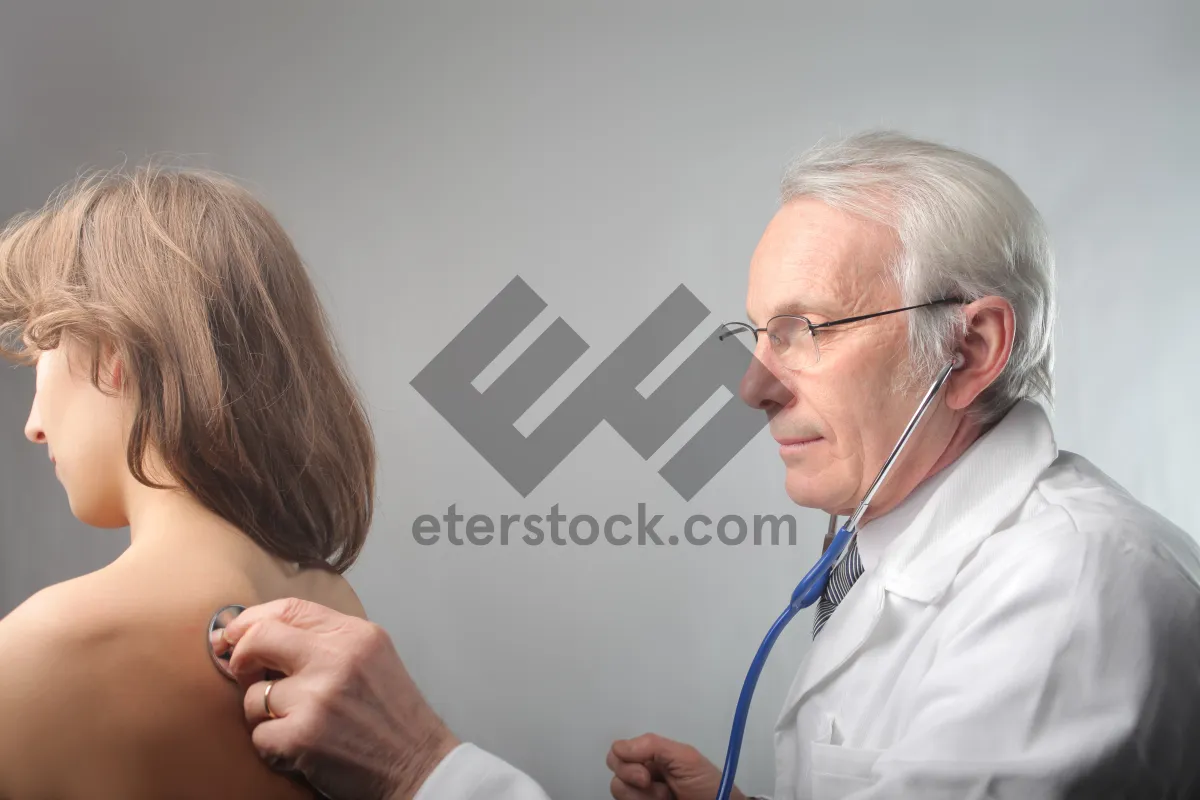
(844, 575)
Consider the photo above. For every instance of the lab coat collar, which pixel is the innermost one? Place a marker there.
(950, 515)
(941, 523)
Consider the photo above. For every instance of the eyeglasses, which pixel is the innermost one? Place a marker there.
(794, 339)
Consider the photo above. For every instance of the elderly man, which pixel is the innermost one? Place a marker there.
(1007, 623)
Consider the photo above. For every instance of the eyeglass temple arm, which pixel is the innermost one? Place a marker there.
(884, 313)
(726, 333)
(860, 318)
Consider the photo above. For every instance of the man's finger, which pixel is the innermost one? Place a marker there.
(290, 611)
(633, 774)
(220, 646)
(642, 749)
(258, 705)
(273, 743)
(623, 791)
(270, 645)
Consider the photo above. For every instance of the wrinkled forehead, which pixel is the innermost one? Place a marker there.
(816, 260)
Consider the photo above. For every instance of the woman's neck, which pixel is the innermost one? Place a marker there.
(171, 524)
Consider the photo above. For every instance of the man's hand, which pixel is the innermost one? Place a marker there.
(347, 714)
(653, 768)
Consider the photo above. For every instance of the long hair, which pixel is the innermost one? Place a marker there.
(232, 368)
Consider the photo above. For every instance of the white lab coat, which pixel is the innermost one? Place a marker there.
(1023, 629)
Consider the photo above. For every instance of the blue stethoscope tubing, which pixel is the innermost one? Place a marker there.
(810, 588)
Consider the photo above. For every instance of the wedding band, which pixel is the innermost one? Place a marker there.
(267, 700)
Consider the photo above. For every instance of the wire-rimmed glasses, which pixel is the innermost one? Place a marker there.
(793, 337)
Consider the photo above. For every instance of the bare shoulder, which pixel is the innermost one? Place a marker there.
(47, 642)
(333, 590)
(108, 691)
(45, 637)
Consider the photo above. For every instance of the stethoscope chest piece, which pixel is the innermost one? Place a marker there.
(221, 652)
(218, 648)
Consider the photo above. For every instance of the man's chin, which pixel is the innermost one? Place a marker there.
(809, 493)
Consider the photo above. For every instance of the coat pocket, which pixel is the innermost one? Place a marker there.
(838, 772)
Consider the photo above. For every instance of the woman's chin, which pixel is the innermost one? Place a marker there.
(96, 515)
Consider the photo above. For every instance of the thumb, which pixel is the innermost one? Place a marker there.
(645, 748)
(290, 611)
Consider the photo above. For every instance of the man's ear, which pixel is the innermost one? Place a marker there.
(985, 346)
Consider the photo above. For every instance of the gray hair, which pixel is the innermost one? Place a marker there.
(966, 230)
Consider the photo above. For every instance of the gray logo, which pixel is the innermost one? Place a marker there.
(486, 419)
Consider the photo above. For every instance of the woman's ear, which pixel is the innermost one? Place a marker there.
(985, 348)
(112, 367)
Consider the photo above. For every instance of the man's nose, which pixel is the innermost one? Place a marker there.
(760, 386)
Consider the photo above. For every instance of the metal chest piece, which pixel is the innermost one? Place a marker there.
(220, 650)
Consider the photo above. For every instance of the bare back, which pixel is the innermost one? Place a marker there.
(111, 692)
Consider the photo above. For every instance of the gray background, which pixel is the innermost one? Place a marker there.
(423, 157)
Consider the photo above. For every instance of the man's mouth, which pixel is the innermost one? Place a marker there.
(794, 444)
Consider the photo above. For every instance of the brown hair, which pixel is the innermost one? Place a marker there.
(232, 366)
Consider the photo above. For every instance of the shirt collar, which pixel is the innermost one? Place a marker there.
(918, 547)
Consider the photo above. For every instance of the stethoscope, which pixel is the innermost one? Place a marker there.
(813, 585)
(221, 653)
(807, 592)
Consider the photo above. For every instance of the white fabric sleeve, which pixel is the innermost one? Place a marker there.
(470, 773)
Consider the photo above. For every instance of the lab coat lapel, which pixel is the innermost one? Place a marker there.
(944, 522)
(965, 505)
(842, 637)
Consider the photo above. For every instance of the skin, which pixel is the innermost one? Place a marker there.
(107, 687)
(837, 421)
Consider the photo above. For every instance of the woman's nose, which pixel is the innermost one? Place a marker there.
(33, 426)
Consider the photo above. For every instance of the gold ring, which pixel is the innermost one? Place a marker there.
(267, 700)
